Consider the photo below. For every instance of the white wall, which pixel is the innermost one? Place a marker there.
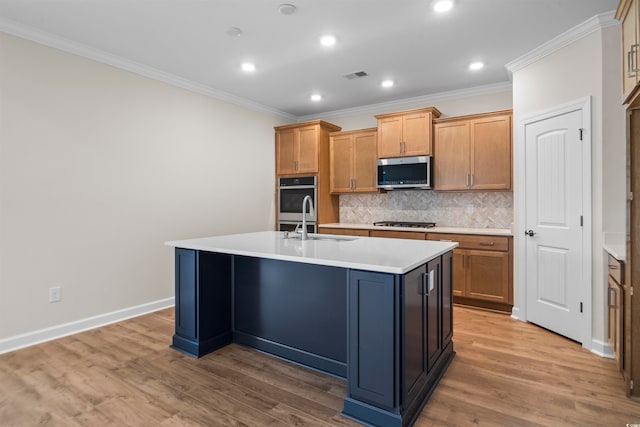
(98, 167)
(451, 107)
(587, 67)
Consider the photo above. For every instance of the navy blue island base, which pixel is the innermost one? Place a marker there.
(388, 335)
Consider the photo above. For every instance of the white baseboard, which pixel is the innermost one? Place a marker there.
(36, 337)
(515, 313)
(602, 349)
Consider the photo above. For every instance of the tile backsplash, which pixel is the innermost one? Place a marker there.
(474, 210)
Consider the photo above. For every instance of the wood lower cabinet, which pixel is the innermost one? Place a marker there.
(473, 153)
(615, 304)
(406, 133)
(482, 270)
(344, 231)
(352, 160)
(415, 235)
(481, 266)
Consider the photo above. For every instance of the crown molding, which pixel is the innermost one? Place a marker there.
(41, 37)
(589, 26)
(415, 102)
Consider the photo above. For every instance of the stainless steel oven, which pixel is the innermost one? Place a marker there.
(291, 193)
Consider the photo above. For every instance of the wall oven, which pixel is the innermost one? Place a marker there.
(291, 193)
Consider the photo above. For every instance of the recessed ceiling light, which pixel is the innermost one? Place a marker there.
(248, 66)
(316, 97)
(234, 32)
(327, 40)
(287, 9)
(443, 5)
(387, 83)
(476, 65)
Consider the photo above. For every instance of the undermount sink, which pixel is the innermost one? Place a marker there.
(321, 237)
(333, 238)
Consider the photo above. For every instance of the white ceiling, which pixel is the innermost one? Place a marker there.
(424, 52)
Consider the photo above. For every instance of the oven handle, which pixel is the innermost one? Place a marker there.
(297, 187)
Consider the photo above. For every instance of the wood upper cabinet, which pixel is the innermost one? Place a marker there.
(297, 147)
(406, 133)
(473, 153)
(452, 158)
(352, 160)
(628, 14)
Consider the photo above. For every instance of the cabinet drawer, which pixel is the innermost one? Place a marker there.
(415, 235)
(474, 241)
(344, 231)
(616, 270)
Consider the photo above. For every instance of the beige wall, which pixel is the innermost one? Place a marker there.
(587, 67)
(448, 107)
(98, 167)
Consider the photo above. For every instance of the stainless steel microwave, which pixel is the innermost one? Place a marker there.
(404, 173)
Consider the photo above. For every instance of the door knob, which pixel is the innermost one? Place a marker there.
(529, 233)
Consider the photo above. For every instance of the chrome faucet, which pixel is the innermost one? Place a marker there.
(304, 216)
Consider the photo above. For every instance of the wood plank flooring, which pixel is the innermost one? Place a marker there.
(506, 373)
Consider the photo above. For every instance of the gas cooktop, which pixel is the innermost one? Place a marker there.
(405, 224)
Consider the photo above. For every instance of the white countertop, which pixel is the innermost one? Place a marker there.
(396, 256)
(616, 245)
(451, 230)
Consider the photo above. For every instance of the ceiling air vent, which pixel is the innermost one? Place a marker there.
(355, 75)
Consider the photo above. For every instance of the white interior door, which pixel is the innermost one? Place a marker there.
(554, 207)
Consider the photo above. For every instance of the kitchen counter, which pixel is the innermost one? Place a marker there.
(374, 311)
(447, 230)
(615, 244)
(396, 256)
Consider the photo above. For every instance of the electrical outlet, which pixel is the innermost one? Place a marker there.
(55, 294)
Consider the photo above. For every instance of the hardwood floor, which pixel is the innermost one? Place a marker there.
(505, 373)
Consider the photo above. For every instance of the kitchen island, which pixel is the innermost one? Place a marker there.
(375, 311)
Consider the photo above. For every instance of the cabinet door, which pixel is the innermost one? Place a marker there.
(364, 163)
(415, 235)
(186, 294)
(344, 231)
(491, 153)
(415, 333)
(285, 152)
(630, 54)
(487, 275)
(389, 137)
(340, 164)
(459, 272)
(307, 149)
(451, 156)
(434, 313)
(371, 375)
(417, 134)
(614, 300)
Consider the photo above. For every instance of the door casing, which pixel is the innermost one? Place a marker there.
(520, 225)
